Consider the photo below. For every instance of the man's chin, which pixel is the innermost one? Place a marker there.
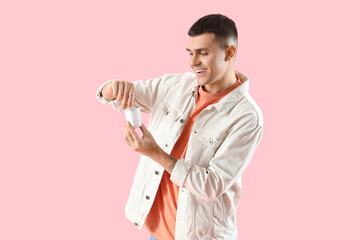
(201, 81)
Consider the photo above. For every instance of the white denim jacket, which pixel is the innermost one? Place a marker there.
(222, 142)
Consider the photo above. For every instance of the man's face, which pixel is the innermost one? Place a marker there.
(207, 59)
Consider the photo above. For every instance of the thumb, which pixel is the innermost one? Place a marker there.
(143, 128)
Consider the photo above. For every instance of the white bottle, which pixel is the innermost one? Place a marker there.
(133, 115)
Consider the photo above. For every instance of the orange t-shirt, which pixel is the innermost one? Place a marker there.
(161, 219)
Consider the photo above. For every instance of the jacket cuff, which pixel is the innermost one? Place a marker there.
(180, 172)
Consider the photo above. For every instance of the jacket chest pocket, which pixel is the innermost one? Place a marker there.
(210, 139)
(165, 121)
(170, 115)
(208, 143)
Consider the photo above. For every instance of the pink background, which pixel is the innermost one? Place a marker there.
(65, 170)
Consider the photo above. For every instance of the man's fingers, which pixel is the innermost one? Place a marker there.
(131, 97)
(128, 136)
(127, 140)
(143, 128)
(132, 132)
(126, 95)
(120, 94)
(123, 92)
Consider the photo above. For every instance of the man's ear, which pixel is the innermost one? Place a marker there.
(230, 52)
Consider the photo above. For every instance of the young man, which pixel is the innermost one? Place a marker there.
(203, 130)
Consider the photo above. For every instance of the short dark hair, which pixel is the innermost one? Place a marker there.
(223, 27)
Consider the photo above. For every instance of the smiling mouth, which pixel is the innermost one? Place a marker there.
(200, 71)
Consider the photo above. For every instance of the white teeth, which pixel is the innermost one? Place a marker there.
(200, 71)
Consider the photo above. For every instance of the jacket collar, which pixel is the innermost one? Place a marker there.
(230, 100)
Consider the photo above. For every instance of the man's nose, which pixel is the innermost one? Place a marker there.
(194, 61)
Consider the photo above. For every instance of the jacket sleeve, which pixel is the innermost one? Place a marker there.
(146, 92)
(224, 169)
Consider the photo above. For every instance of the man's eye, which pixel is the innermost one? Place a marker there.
(203, 54)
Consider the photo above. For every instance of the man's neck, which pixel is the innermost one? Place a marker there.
(222, 85)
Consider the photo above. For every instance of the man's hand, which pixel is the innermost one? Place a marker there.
(147, 146)
(122, 91)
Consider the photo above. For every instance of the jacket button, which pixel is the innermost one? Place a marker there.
(136, 224)
(182, 120)
(147, 197)
(157, 172)
(167, 113)
(166, 145)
